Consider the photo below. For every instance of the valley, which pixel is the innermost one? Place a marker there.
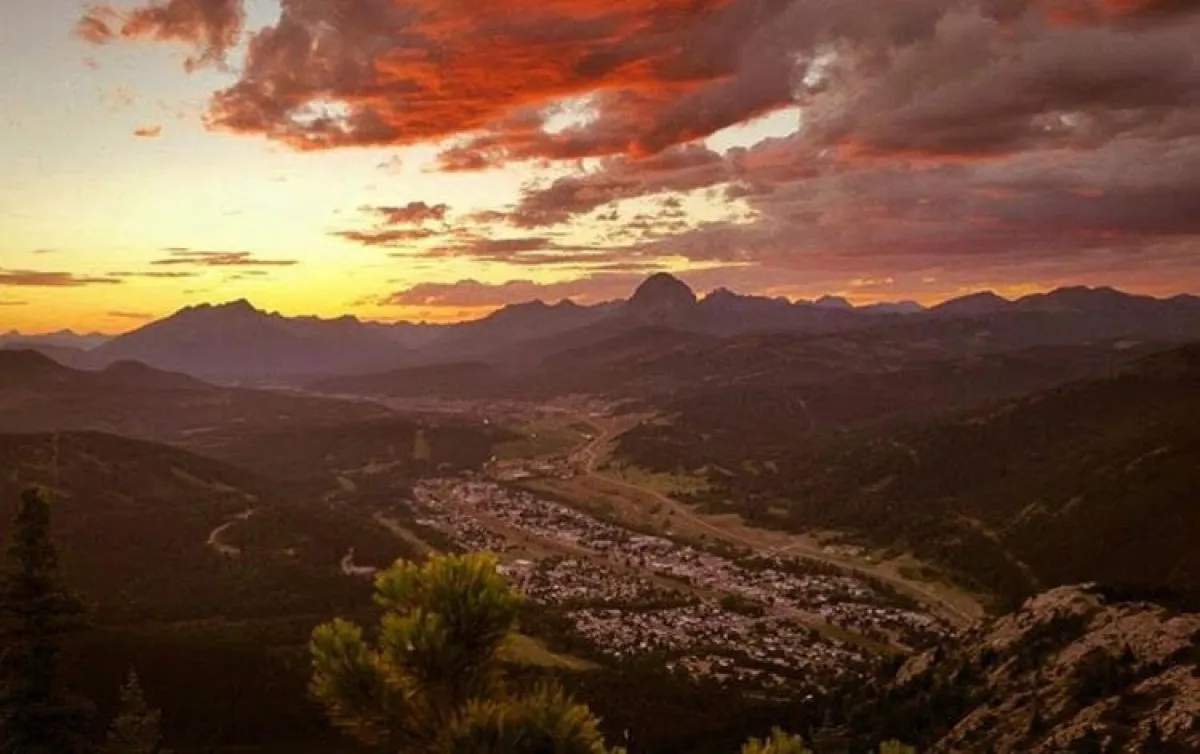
(784, 517)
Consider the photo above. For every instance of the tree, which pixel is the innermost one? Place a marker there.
(135, 730)
(779, 743)
(36, 614)
(433, 681)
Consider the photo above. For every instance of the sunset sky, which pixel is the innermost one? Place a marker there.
(435, 159)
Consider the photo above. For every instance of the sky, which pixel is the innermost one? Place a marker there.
(436, 159)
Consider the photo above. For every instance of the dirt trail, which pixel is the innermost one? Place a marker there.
(960, 611)
(214, 537)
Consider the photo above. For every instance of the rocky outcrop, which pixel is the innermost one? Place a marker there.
(1075, 669)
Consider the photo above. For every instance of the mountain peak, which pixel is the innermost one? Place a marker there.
(973, 304)
(661, 294)
(833, 302)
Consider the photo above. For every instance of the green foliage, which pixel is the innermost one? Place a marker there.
(895, 747)
(136, 727)
(778, 743)
(432, 681)
(36, 715)
(544, 721)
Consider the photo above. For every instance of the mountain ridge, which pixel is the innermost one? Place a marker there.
(235, 342)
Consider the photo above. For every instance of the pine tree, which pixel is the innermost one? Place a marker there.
(433, 681)
(779, 743)
(136, 727)
(36, 614)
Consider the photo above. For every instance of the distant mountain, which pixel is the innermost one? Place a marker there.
(505, 328)
(237, 342)
(893, 307)
(59, 339)
(833, 302)
(973, 305)
(661, 298)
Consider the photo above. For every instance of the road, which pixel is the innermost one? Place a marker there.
(591, 453)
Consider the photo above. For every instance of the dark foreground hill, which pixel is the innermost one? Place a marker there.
(1096, 480)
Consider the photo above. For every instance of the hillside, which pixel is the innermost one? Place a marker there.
(1076, 669)
(1094, 480)
(136, 522)
(128, 398)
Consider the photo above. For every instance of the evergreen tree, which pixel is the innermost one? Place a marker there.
(433, 681)
(136, 727)
(779, 743)
(36, 614)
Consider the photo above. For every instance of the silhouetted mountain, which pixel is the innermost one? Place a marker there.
(509, 326)
(236, 342)
(660, 298)
(833, 302)
(68, 339)
(892, 307)
(973, 305)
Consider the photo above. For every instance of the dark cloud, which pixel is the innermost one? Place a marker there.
(148, 132)
(48, 279)
(13, 302)
(184, 256)
(677, 169)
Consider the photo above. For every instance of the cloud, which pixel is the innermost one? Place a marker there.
(48, 279)
(148, 132)
(471, 293)
(138, 316)
(211, 28)
(938, 139)
(184, 256)
(413, 213)
(392, 237)
(155, 274)
(13, 302)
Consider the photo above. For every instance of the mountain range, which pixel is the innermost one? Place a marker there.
(238, 343)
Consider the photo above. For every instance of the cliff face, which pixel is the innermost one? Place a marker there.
(1075, 669)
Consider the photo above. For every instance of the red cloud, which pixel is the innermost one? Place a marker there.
(413, 213)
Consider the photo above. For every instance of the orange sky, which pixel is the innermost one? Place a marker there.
(434, 160)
